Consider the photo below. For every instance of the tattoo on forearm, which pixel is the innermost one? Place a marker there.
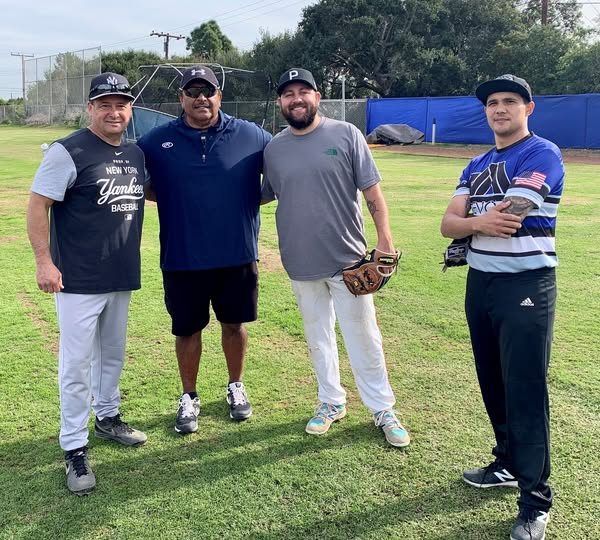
(372, 207)
(519, 206)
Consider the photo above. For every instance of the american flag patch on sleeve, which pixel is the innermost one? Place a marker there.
(534, 180)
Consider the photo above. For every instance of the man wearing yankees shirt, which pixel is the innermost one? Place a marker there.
(91, 184)
(507, 201)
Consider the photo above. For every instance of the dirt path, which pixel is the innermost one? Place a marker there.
(570, 155)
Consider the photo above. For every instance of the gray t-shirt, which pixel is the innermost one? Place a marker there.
(317, 179)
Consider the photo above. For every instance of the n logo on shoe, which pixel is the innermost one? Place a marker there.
(504, 475)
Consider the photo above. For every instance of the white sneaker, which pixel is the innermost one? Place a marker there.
(187, 414)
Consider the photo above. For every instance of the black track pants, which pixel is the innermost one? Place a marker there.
(510, 319)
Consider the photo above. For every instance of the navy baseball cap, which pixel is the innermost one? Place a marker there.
(109, 84)
(199, 73)
(296, 75)
(504, 83)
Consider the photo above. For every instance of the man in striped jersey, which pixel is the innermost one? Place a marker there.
(507, 201)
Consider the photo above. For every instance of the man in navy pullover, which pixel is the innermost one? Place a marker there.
(205, 170)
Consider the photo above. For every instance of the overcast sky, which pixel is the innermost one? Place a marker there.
(49, 27)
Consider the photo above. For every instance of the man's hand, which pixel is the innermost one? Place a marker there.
(49, 278)
(497, 223)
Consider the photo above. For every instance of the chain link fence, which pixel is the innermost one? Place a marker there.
(12, 114)
(353, 111)
(270, 117)
(56, 87)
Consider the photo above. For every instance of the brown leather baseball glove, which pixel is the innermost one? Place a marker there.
(371, 273)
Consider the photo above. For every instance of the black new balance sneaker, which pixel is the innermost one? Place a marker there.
(494, 475)
(239, 406)
(113, 428)
(530, 525)
(80, 478)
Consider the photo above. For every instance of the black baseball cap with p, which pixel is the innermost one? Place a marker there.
(199, 73)
(296, 75)
(504, 83)
(109, 84)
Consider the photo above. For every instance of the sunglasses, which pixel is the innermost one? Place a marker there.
(196, 92)
(113, 87)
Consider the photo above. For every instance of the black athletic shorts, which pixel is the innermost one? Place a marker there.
(232, 291)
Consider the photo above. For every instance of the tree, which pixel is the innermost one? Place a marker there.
(207, 41)
(410, 47)
(564, 15)
(581, 71)
(536, 54)
(127, 63)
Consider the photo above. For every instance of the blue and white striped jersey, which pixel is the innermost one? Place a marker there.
(531, 168)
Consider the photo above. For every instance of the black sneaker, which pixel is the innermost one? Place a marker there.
(80, 478)
(239, 406)
(494, 475)
(113, 428)
(187, 414)
(530, 525)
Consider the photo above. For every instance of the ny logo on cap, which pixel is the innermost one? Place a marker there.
(195, 72)
(112, 80)
(293, 73)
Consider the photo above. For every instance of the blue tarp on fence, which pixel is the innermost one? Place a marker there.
(570, 121)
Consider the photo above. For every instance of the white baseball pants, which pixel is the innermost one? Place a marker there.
(320, 301)
(93, 330)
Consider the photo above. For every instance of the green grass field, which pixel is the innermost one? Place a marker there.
(267, 479)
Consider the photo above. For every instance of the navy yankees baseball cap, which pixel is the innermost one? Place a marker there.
(296, 75)
(199, 73)
(109, 84)
(504, 83)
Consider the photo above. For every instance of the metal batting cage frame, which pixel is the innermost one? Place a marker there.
(246, 95)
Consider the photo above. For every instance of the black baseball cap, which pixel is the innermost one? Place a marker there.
(296, 75)
(199, 73)
(109, 84)
(504, 83)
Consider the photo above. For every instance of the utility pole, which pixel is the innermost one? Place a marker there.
(167, 36)
(23, 56)
(544, 12)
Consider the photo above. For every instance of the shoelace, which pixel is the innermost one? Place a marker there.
(187, 408)
(326, 410)
(78, 460)
(119, 425)
(529, 516)
(238, 396)
(387, 419)
(493, 467)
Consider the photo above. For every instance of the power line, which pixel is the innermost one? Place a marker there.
(167, 36)
(223, 15)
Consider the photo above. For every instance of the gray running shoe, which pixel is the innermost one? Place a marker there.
(494, 475)
(395, 433)
(80, 478)
(187, 414)
(325, 415)
(113, 428)
(530, 525)
(239, 406)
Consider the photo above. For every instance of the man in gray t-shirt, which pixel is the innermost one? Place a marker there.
(316, 169)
